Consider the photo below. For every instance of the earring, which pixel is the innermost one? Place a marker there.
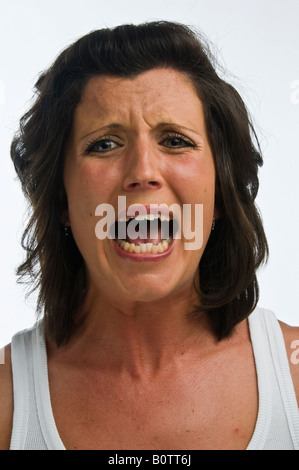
(67, 230)
(214, 222)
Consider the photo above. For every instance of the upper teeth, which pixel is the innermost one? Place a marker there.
(162, 217)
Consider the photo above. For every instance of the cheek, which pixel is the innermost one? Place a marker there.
(194, 180)
(88, 186)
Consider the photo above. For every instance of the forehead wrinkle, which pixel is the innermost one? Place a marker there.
(103, 88)
(123, 100)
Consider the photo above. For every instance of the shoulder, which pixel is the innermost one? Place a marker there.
(291, 339)
(6, 402)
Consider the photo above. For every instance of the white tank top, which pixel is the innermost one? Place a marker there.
(277, 426)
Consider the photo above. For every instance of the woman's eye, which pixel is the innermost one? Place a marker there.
(107, 144)
(177, 142)
(102, 145)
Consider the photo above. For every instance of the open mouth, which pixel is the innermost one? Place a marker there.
(151, 233)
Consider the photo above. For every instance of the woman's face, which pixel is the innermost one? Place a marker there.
(143, 139)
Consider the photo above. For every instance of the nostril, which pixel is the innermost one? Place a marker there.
(142, 184)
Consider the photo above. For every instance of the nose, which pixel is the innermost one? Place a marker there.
(142, 169)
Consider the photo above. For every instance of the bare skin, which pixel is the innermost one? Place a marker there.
(114, 410)
(177, 404)
(138, 373)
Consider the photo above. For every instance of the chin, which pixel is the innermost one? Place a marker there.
(147, 292)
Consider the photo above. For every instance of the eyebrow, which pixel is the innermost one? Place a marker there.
(113, 125)
(164, 124)
(117, 125)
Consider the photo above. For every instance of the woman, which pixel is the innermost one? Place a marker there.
(144, 343)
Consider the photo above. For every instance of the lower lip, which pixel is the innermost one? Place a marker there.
(143, 257)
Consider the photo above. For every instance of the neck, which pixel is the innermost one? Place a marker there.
(138, 338)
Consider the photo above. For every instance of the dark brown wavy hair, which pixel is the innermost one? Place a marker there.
(228, 289)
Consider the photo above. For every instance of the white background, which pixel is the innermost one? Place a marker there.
(257, 41)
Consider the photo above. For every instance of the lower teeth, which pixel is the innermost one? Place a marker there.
(144, 247)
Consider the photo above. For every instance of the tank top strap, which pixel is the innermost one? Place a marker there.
(277, 424)
(34, 426)
(21, 370)
(283, 373)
